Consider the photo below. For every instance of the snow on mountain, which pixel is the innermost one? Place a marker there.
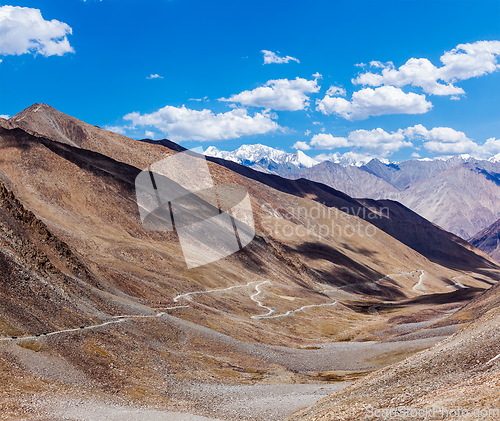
(267, 159)
(495, 158)
(451, 158)
(250, 155)
(349, 159)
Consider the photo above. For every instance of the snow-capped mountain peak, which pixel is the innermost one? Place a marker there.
(495, 158)
(251, 155)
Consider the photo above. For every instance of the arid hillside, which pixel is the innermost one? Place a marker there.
(460, 374)
(488, 240)
(95, 304)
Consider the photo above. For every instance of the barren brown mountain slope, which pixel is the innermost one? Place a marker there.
(463, 199)
(488, 240)
(89, 293)
(460, 374)
(350, 179)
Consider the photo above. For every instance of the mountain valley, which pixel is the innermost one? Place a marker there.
(97, 311)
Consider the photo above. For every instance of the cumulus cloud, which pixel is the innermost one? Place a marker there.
(181, 123)
(336, 90)
(154, 76)
(327, 141)
(491, 146)
(4, 116)
(442, 141)
(302, 146)
(463, 62)
(376, 141)
(23, 30)
(374, 102)
(270, 57)
(470, 60)
(280, 94)
(447, 141)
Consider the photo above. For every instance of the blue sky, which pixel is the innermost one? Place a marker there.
(429, 85)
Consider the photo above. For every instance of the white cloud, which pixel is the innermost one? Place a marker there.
(442, 141)
(5, 116)
(446, 148)
(317, 75)
(447, 141)
(378, 141)
(280, 94)
(336, 90)
(205, 99)
(470, 60)
(185, 124)
(303, 146)
(373, 102)
(23, 30)
(381, 65)
(444, 134)
(154, 76)
(327, 141)
(306, 133)
(463, 62)
(492, 146)
(149, 134)
(270, 57)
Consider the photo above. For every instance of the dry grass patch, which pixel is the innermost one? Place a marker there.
(339, 376)
(33, 345)
(8, 329)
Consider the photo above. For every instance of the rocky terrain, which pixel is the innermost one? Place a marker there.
(463, 200)
(349, 179)
(487, 240)
(100, 316)
(460, 375)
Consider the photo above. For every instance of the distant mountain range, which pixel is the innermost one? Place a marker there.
(273, 161)
(461, 194)
(265, 159)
